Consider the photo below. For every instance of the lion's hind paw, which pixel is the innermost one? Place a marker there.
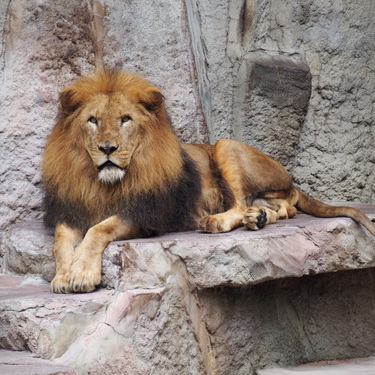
(255, 218)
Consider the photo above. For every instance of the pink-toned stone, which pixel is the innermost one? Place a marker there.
(363, 366)
(104, 332)
(291, 248)
(25, 363)
(165, 294)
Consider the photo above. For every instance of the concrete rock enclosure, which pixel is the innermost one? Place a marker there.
(292, 78)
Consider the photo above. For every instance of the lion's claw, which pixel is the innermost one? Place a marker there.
(83, 283)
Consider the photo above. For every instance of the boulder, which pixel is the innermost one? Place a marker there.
(105, 332)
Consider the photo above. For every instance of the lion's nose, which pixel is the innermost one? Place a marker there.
(107, 148)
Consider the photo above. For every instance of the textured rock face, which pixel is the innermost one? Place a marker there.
(47, 45)
(332, 142)
(107, 332)
(292, 78)
(296, 318)
(198, 303)
(276, 87)
(340, 160)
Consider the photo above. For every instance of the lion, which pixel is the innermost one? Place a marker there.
(114, 169)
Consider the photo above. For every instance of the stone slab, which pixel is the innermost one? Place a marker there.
(292, 248)
(365, 366)
(105, 332)
(31, 316)
(26, 363)
(164, 295)
(301, 246)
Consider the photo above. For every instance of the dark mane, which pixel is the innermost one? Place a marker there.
(173, 208)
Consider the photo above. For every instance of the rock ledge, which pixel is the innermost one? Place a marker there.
(196, 303)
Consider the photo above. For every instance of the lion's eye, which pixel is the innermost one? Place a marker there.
(93, 120)
(125, 119)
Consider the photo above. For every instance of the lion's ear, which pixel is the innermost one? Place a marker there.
(152, 99)
(69, 101)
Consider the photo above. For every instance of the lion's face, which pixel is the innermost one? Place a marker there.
(111, 133)
(111, 148)
(114, 125)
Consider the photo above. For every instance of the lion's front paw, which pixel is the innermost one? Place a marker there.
(215, 224)
(255, 218)
(85, 274)
(210, 224)
(60, 284)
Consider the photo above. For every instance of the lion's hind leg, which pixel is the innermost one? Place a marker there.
(268, 210)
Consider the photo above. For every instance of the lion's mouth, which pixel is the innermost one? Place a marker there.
(110, 173)
(109, 164)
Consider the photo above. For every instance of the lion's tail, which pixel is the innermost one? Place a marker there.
(314, 207)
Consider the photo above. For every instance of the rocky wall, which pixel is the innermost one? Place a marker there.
(252, 56)
(294, 78)
(314, 317)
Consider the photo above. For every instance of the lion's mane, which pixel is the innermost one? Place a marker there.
(161, 188)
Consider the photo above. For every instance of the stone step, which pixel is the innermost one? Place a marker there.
(138, 329)
(291, 248)
(81, 331)
(32, 318)
(363, 366)
(25, 363)
(164, 306)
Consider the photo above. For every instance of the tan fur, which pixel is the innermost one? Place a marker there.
(70, 170)
(119, 117)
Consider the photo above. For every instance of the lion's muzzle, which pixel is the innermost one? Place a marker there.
(108, 149)
(110, 172)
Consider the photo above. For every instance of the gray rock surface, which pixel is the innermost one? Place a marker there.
(365, 366)
(330, 149)
(291, 248)
(21, 363)
(297, 291)
(280, 87)
(205, 57)
(291, 321)
(45, 46)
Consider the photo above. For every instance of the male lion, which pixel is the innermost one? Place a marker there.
(114, 169)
